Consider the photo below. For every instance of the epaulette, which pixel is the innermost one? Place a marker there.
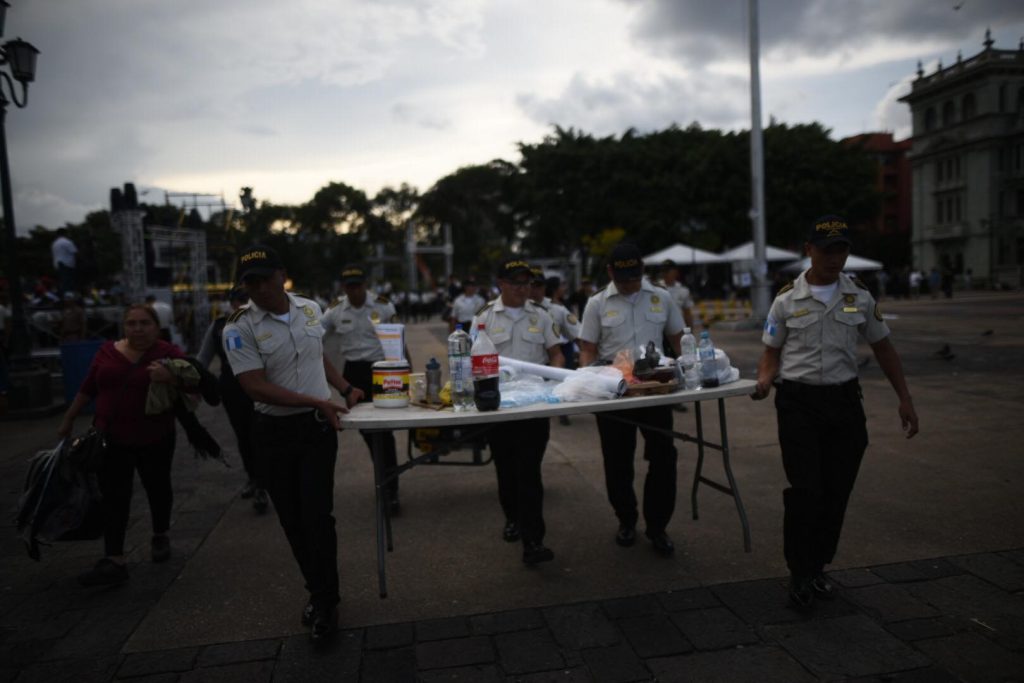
(484, 307)
(785, 288)
(540, 306)
(242, 310)
(857, 281)
(598, 292)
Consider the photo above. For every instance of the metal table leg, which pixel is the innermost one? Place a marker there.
(697, 476)
(382, 517)
(732, 480)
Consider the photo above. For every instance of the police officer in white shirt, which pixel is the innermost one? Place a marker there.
(810, 354)
(275, 349)
(465, 305)
(679, 292)
(628, 314)
(522, 330)
(352, 325)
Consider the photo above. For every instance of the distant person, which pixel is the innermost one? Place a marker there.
(810, 356)
(934, 282)
(164, 313)
(65, 255)
(968, 279)
(465, 306)
(680, 293)
(914, 281)
(118, 379)
(72, 319)
(237, 404)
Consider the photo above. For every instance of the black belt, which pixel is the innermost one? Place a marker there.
(802, 387)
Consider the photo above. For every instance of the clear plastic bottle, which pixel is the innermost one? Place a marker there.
(460, 370)
(688, 349)
(709, 367)
(486, 394)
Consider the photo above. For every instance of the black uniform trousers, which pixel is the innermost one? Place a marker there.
(518, 449)
(618, 444)
(359, 373)
(116, 477)
(241, 412)
(823, 436)
(299, 452)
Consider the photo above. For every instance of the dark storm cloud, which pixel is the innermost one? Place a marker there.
(703, 31)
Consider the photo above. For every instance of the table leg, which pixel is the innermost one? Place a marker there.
(700, 458)
(382, 517)
(732, 480)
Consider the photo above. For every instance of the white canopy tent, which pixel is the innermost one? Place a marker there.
(682, 255)
(745, 252)
(852, 263)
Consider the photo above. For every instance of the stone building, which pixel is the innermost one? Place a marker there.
(967, 161)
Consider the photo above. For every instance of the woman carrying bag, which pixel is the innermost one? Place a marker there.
(119, 379)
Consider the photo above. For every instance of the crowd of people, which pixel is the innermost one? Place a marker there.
(281, 355)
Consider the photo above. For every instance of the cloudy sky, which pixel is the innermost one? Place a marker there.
(285, 96)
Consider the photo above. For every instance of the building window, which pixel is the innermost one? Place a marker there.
(968, 106)
(948, 114)
(929, 119)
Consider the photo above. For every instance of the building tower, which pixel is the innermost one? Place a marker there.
(967, 163)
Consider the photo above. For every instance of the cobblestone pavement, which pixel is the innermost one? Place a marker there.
(940, 616)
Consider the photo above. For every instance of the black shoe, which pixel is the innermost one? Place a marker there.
(248, 489)
(325, 623)
(535, 552)
(801, 593)
(511, 532)
(308, 612)
(662, 543)
(823, 588)
(260, 500)
(160, 548)
(626, 536)
(105, 573)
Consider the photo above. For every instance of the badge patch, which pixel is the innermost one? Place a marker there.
(375, 317)
(878, 313)
(801, 312)
(308, 310)
(655, 299)
(571, 319)
(533, 320)
(264, 337)
(232, 340)
(656, 309)
(849, 309)
(849, 298)
(610, 314)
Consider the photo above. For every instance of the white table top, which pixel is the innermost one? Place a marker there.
(366, 416)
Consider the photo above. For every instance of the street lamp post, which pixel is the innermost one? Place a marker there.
(20, 56)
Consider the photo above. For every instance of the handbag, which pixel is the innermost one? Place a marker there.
(88, 451)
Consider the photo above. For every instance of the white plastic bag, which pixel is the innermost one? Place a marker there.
(581, 386)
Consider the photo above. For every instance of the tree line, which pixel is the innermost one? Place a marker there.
(572, 191)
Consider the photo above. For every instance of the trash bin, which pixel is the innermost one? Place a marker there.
(75, 358)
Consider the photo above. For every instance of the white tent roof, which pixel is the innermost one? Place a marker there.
(745, 252)
(682, 255)
(852, 263)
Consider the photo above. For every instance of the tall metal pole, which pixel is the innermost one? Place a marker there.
(759, 292)
(20, 343)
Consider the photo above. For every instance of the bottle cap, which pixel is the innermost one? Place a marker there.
(433, 364)
(687, 330)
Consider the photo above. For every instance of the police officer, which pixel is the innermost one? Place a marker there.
(679, 292)
(465, 306)
(810, 354)
(351, 326)
(522, 330)
(237, 403)
(628, 314)
(275, 348)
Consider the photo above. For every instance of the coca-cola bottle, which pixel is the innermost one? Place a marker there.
(486, 394)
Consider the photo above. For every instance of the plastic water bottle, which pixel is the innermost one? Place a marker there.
(688, 360)
(709, 367)
(460, 370)
(486, 394)
(433, 378)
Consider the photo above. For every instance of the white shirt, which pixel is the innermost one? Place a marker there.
(526, 337)
(355, 329)
(465, 307)
(63, 251)
(613, 323)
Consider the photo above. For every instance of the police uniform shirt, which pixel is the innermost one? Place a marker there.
(819, 341)
(612, 322)
(291, 353)
(680, 294)
(567, 325)
(356, 328)
(465, 307)
(527, 338)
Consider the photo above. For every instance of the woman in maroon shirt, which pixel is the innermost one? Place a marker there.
(119, 380)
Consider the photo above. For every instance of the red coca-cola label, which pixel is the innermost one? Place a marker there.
(485, 365)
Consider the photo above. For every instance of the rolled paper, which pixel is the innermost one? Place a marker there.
(605, 383)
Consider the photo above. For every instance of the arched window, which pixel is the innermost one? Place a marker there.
(929, 118)
(968, 107)
(948, 114)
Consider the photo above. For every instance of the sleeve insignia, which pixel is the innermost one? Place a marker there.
(308, 310)
(571, 319)
(878, 313)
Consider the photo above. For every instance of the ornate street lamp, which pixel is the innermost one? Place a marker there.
(20, 56)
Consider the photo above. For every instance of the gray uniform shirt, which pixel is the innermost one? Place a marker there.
(528, 338)
(680, 294)
(354, 330)
(613, 323)
(290, 353)
(819, 341)
(465, 307)
(567, 325)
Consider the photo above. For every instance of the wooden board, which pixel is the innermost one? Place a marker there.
(651, 388)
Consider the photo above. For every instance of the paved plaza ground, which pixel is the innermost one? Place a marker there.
(931, 564)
